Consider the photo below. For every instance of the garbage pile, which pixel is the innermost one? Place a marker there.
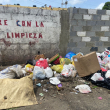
(94, 67)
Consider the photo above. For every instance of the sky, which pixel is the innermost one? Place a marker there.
(89, 4)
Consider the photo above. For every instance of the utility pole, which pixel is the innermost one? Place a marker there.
(62, 4)
(66, 2)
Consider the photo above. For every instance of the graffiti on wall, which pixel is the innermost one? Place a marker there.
(19, 23)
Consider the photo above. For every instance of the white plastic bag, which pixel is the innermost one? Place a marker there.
(12, 71)
(48, 72)
(83, 88)
(97, 77)
(38, 73)
(6, 73)
(107, 75)
(107, 66)
(66, 73)
(18, 70)
(70, 66)
(54, 80)
(73, 73)
(68, 70)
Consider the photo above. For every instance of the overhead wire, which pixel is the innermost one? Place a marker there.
(37, 2)
(41, 3)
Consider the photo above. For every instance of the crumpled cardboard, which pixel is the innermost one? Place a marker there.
(37, 57)
(87, 64)
(17, 92)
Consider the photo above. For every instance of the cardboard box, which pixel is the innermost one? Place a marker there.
(37, 57)
(87, 64)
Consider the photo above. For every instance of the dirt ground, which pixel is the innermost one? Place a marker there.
(68, 98)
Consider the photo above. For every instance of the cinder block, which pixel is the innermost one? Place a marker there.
(77, 39)
(81, 44)
(76, 50)
(108, 12)
(105, 17)
(69, 49)
(87, 17)
(92, 11)
(96, 28)
(85, 50)
(101, 12)
(91, 23)
(104, 39)
(107, 23)
(104, 28)
(87, 28)
(77, 16)
(88, 33)
(73, 34)
(83, 11)
(72, 44)
(106, 43)
(107, 34)
(89, 44)
(70, 16)
(75, 11)
(96, 17)
(94, 39)
(98, 44)
(100, 23)
(101, 49)
(81, 33)
(81, 23)
(73, 22)
(86, 39)
(99, 33)
(77, 28)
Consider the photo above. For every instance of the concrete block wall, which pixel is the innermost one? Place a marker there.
(89, 30)
(25, 31)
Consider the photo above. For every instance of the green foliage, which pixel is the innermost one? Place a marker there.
(106, 6)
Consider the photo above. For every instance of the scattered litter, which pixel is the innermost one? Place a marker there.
(45, 90)
(39, 84)
(42, 98)
(59, 85)
(94, 87)
(100, 98)
(41, 94)
(83, 88)
(42, 63)
(76, 93)
(54, 80)
(38, 73)
(97, 77)
(83, 81)
(107, 75)
(59, 93)
(48, 72)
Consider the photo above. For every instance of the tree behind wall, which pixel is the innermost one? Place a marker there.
(106, 6)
